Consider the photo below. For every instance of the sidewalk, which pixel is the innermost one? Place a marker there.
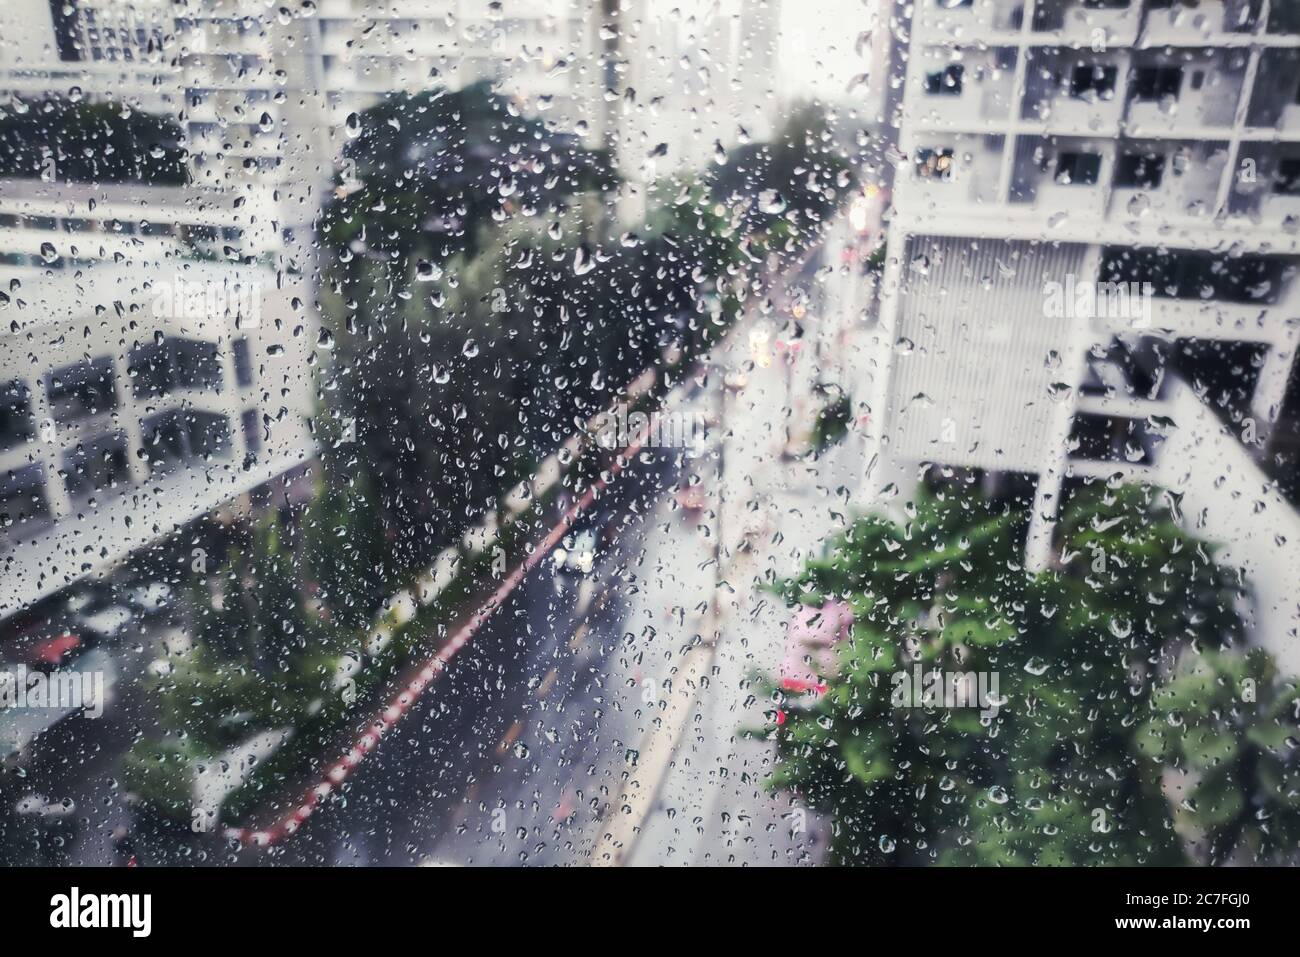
(694, 791)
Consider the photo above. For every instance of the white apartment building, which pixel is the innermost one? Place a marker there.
(133, 401)
(694, 75)
(264, 97)
(1045, 147)
(74, 225)
(93, 46)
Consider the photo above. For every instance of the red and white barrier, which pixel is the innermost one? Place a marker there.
(396, 709)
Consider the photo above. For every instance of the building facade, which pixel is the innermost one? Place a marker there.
(134, 401)
(1091, 269)
(264, 99)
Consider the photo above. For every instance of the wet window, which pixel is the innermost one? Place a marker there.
(650, 432)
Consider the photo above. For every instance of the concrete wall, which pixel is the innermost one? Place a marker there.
(1228, 499)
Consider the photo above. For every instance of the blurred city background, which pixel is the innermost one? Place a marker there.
(458, 432)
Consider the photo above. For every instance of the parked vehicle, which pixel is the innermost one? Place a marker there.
(810, 644)
(105, 624)
(575, 556)
(86, 597)
(149, 598)
(56, 651)
(691, 499)
(46, 644)
(95, 612)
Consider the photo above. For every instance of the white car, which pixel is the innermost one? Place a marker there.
(151, 598)
(105, 623)
(86, 598)
(736, 379)
(578, 552)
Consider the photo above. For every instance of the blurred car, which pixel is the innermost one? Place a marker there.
(87, 597)
(811, 640)
(107, 623)
(577, 554)
(150, 598)
(736, 379)
(45, 644)
(55, 651)
(94, 610)
(691, 498)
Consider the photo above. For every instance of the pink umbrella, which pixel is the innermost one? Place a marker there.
(813, 634)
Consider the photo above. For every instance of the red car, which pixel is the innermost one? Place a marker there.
(52, 652)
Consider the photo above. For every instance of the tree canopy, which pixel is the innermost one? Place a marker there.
(83, 142)
(1132, 725)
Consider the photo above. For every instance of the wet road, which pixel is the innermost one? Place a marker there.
(596, 718)
(504, 758)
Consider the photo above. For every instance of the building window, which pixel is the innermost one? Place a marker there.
(1139, 171)
(86, 388)
(945, 82)
(1201, 276)
(1093, 79)
(1078, 169)
(1284, 18)
(165, 444)
(96, 465)
(197, 365)
(196, 233)
(243, 363)
(1287, 181)
(177, 436)
(15, 415)
(22, 497)
(252, 431)
(1244, 19)
(66, 32)
(160, 368)
(934, 164)
(1109, 439)
(150, 370)
(1157, 82)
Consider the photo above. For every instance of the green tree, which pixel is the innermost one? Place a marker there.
(788, 187)
(475, 309)
(428, 171)
(78, 141)
(1125, 731)
(347, 553)
(263, 653)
